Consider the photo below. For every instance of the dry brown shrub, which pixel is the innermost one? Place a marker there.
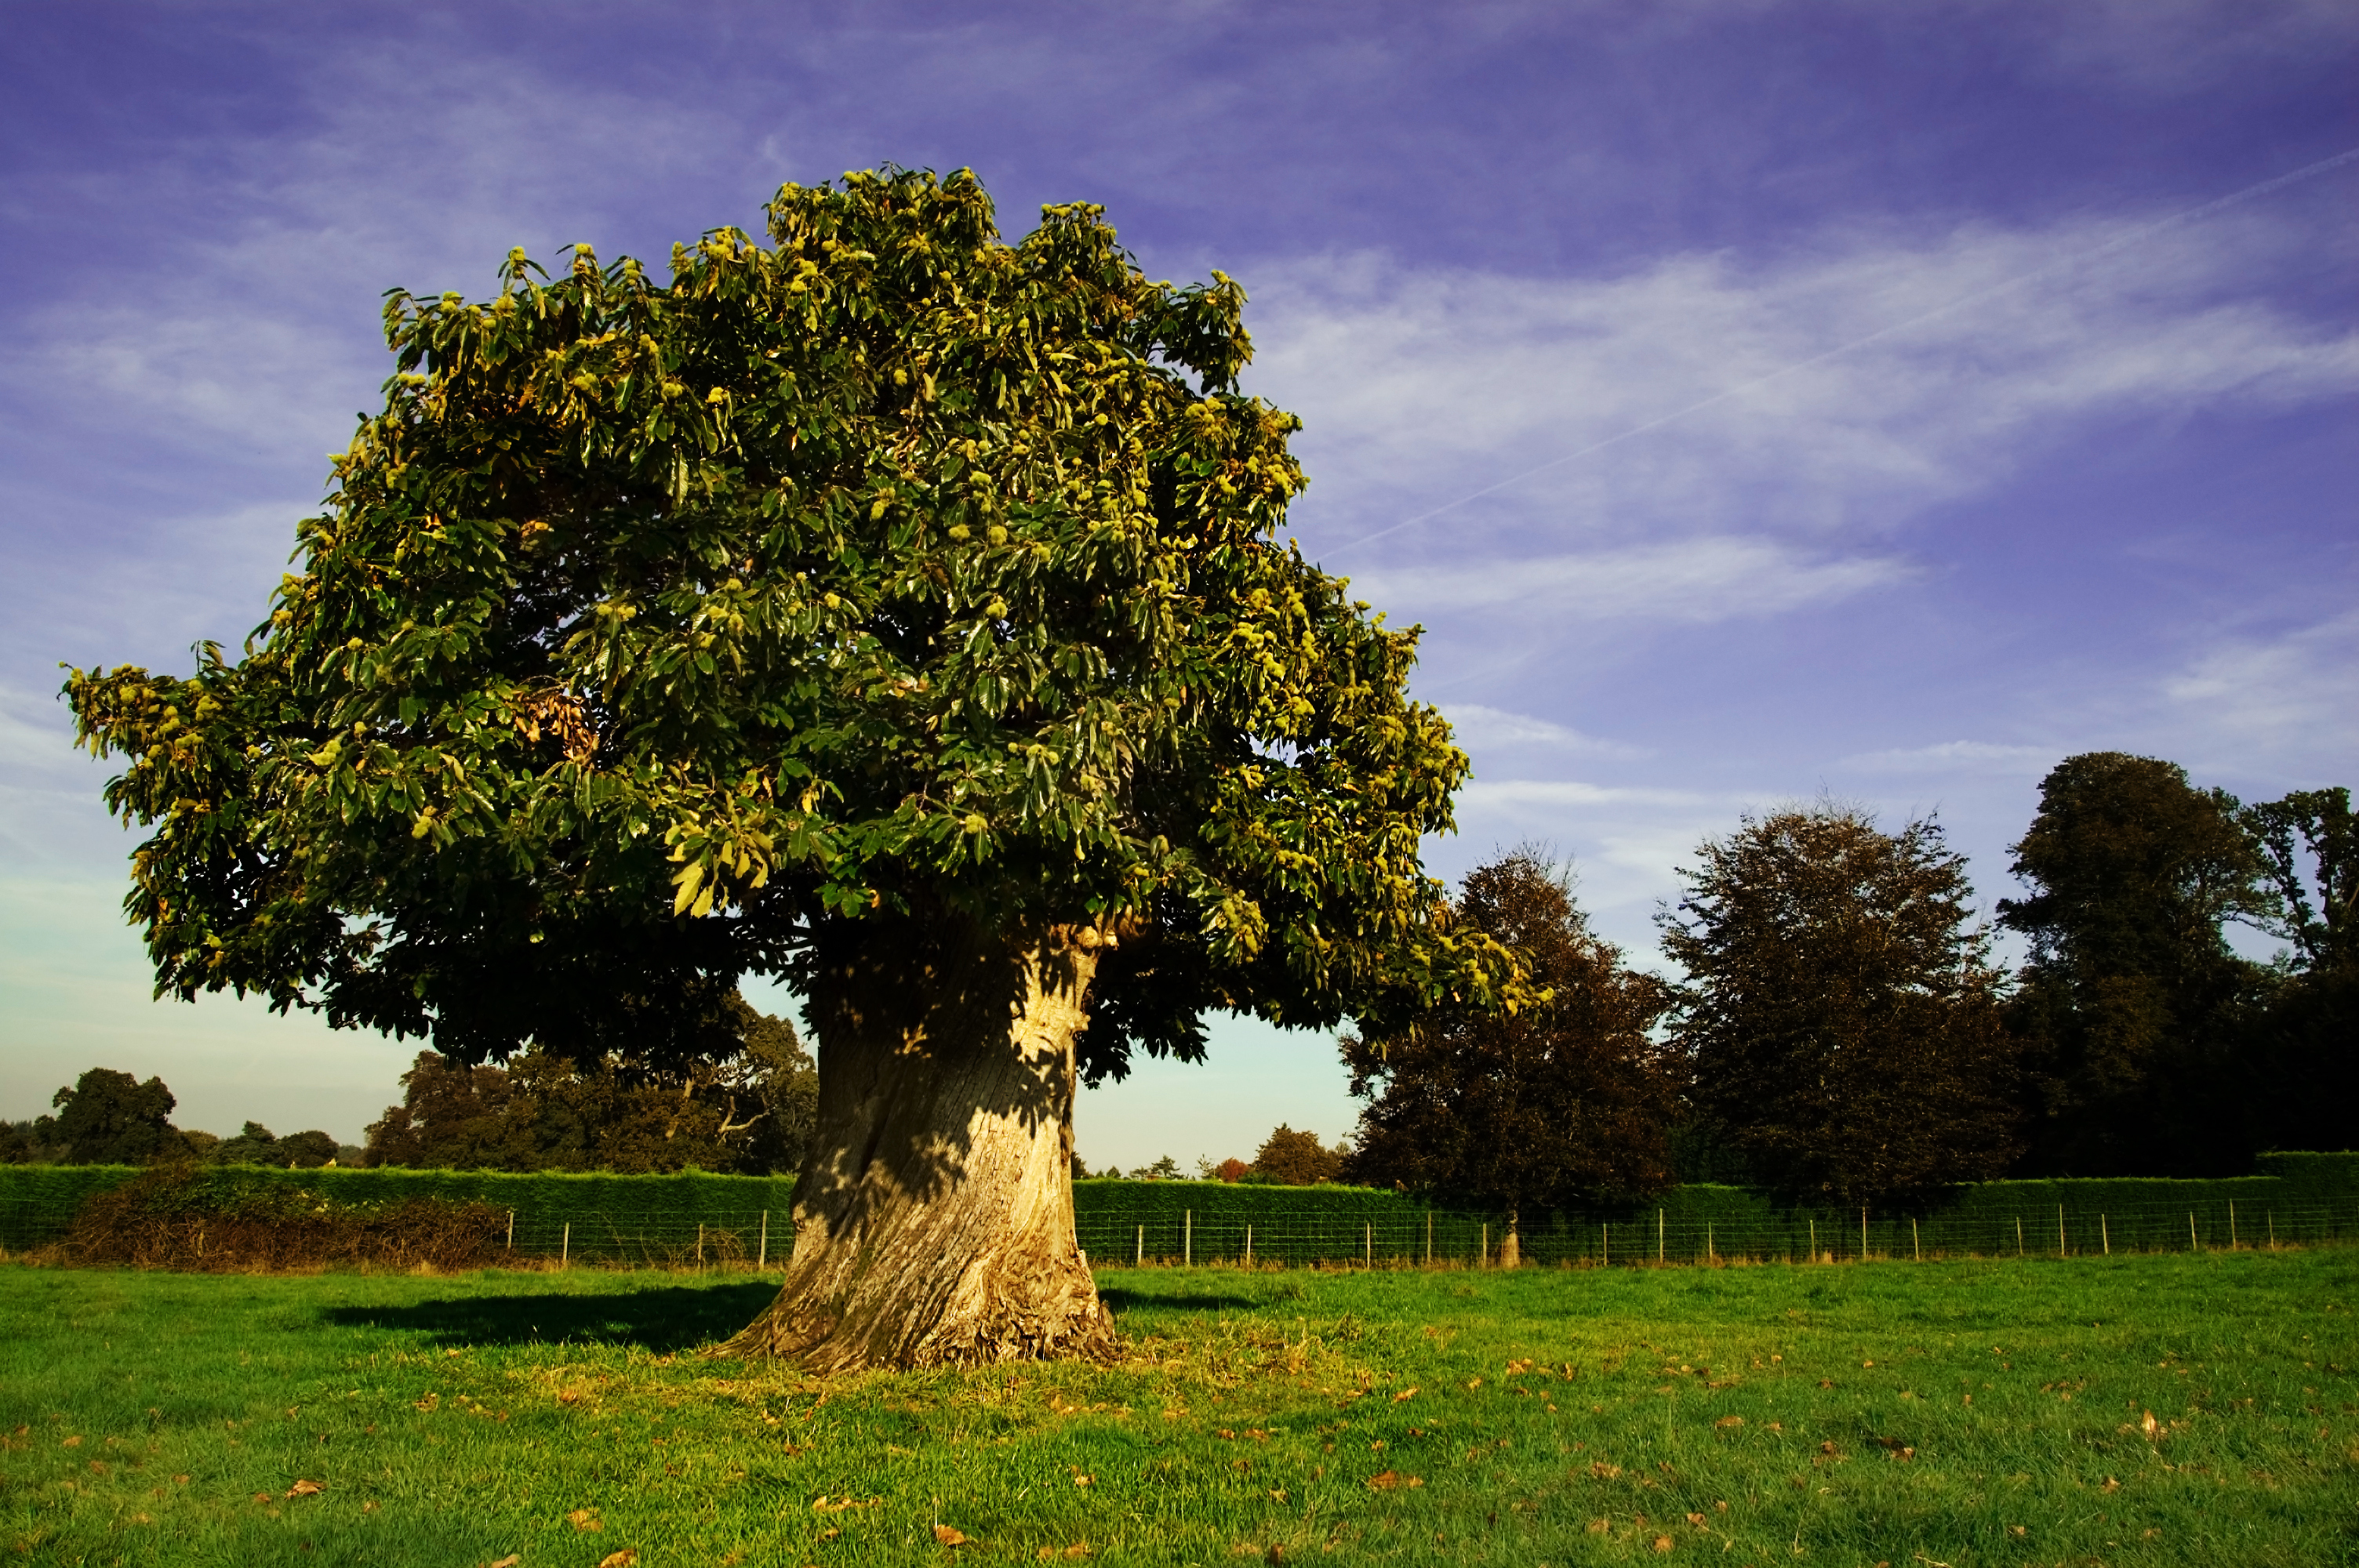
(189, 1217)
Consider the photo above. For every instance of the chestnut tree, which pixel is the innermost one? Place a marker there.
(886, 608)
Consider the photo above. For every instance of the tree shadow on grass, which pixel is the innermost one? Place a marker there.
(664, 1319)
(1119, 1300)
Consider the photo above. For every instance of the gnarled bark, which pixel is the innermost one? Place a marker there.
(934, 1218)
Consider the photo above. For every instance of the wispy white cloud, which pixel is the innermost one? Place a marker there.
(1422, 385)
(1955, 757)
(2287, 704)
(1478, 729)
(1690, 581)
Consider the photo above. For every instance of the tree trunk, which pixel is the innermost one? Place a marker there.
(1511, 1247)
(934, 1218)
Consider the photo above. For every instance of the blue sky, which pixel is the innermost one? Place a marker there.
(1752, 399)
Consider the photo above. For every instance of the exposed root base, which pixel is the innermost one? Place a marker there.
(822, 1342)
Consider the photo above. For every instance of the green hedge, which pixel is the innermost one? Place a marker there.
(2303, 1197)
(2300, 1197)
(594, 1214)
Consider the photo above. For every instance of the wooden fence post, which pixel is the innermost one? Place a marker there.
(2106, 1236)
(565, 1248)
(1140, 1256)
(763, 1260)
(511, 1230)
(1187, 1237)
(1248, 1246)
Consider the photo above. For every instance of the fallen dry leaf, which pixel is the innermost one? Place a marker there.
(510, 1561)
(1404, 1394)
(623, 1558)
(369, 1507)
(2151, 1427)
(76, 1441)
(950, 1537)
(1728, 1420)
(1600, 1527)
(307, 1489)
(1384, 1481)
(586, 1519)
(179, 1480)
(1662, 1543)
(1696, 1519)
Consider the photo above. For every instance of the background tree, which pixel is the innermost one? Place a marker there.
(255, 1144)
(751, 1114)
(1295, 1158)
(889, 609)
(1564, 1100)
(1839, 1011)
(2305, 1057)
(111, 1119)
(2134, 1008)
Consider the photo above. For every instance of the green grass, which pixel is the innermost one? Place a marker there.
(1734, 1412)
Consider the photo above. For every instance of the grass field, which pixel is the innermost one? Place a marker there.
(1948, 1413)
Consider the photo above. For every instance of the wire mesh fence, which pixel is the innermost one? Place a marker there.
(752, 1238)
(759, 1238)
(1443, 1238)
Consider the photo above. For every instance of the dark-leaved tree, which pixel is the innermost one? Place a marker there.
(1839, 1011)
(1563, 1100)
(2305, 1066)
(886, 608)
(111, 1119)
(2135, 1012)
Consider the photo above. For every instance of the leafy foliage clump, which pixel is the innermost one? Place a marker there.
(886, 576)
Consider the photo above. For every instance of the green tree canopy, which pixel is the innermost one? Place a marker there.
(1566, 1100)
(2137, 1008)
(887, 607)
(111, 1119)
(1295, 1158)
(1840, 1012)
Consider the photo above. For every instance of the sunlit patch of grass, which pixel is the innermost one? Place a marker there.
(1967, 1412)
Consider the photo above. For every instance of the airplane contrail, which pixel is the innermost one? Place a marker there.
(2024, 280)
